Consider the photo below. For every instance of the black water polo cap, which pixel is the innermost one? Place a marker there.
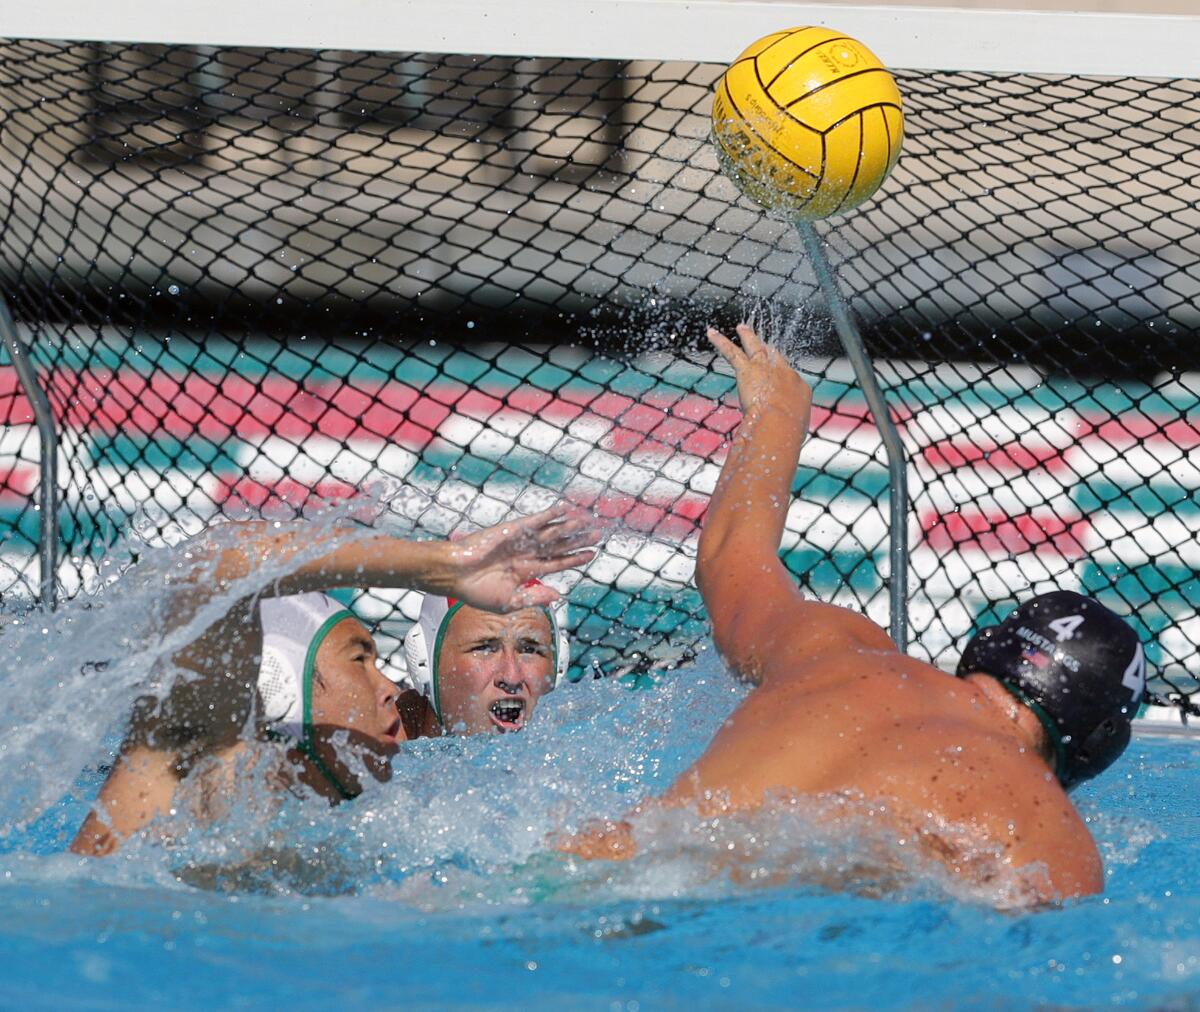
(1077, 665)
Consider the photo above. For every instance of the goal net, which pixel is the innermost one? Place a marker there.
(250, 280)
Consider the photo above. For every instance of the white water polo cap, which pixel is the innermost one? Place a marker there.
(293, 629)
(423, 644)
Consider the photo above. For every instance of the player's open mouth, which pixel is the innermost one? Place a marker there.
(393, 731)
(508, 714)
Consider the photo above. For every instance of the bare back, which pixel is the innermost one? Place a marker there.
(934, 750)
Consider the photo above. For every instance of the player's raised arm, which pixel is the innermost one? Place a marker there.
(752, 600)
(490, 569)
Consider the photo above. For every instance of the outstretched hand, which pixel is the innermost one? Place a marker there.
(494, 567)
(765, 379)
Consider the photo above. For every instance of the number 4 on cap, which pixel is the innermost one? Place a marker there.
(1064, 628)
(1134, 678)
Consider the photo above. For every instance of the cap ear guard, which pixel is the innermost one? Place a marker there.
(1100, 749)
(416, 661)
(291, 624)
(558, 613)
(418, 643)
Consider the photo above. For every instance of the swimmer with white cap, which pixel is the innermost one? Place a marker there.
(970, 771)
(474, 671)
(293, 665)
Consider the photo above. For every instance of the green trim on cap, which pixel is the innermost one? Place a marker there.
(435, 686)
(307, 744)
(1052, 731)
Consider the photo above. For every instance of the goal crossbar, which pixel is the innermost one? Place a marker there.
(946, 39)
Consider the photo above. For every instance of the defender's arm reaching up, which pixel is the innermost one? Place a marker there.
(490, 569)
(207, 714)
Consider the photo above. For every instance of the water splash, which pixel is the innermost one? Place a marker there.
(463, 824)
(72, 675)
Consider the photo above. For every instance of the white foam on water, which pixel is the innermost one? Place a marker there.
(469, 823)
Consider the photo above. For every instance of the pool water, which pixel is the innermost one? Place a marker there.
(438, 888)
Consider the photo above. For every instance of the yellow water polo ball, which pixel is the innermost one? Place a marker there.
(807, 122)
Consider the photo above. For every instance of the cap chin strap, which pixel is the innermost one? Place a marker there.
(308, 744)
(1051, 728)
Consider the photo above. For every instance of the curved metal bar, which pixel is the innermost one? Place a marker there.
(48, 485)
(864, 372)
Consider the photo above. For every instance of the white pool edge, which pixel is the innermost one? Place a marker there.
(1165, 722)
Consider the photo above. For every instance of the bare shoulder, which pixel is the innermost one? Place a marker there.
(802, 642)
(833, 627)
(1016, 801)
(140, 786)
(1054, 835)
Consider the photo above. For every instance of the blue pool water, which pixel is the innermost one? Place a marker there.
(438, 888)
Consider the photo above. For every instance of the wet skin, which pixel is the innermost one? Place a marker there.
(837, 711)
(492, 670)
(352, 702)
